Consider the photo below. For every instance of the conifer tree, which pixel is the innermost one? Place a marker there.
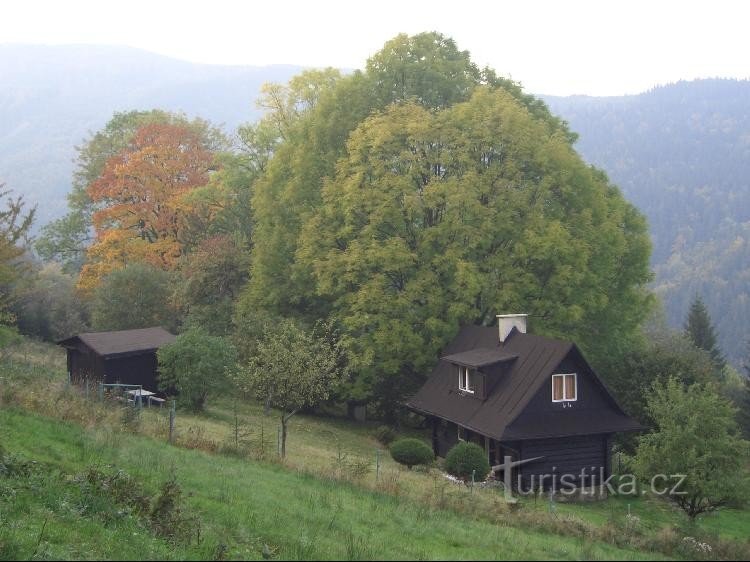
(700, 330)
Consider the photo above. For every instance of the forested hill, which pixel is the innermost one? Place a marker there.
(52, 97)
(681, 153)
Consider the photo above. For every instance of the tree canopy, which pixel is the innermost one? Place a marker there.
(424, 193)
(696, 436)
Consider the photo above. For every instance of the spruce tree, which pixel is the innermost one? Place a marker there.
(700, 330)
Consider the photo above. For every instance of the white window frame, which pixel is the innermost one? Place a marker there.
(565, 397)
(464, 374)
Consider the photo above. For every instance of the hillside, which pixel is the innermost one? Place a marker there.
(53, 97)
(63, 471)
(681, 153)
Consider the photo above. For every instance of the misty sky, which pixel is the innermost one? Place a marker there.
(607, 47)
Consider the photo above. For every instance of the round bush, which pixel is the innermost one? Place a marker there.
(465, 458)
(411, 452)
(385, 434)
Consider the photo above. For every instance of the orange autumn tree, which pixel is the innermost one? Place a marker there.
(139, 197)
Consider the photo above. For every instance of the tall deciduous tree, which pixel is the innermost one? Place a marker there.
(695, 437)
(139, 197)
(427, 68)
(434, 219)
(700, 330)
(293, 369)
(67, 239)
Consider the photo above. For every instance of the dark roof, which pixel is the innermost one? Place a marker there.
(124, 342)
(536, 359)
(480, 357)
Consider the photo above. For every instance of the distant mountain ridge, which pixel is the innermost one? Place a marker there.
(52, 97)
(681, 152)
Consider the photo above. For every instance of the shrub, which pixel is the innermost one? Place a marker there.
(411, 452)
(465, 458)
(385, 434)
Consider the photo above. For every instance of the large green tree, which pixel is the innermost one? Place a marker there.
(422, 193)
(696, 436)
(434, 219)
(312, 132)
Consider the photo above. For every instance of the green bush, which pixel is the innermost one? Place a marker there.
(465, 458)
(411, 452)
(385, 434)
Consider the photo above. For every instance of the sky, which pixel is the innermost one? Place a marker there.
(605, 47)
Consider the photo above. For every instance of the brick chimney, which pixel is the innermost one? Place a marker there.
(506, 322)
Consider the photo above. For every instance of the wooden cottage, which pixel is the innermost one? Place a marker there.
(126, 357)
(532, 398)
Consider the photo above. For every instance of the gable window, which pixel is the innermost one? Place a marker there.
(564, 388)
(464, 380)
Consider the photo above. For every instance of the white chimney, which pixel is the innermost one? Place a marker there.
(506, 322)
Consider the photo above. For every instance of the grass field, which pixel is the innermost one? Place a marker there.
(243, 505)
(324, 502)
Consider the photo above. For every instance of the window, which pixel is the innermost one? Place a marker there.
(564, 388)
(464, 380)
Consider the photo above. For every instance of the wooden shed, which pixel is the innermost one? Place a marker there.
(126, 357)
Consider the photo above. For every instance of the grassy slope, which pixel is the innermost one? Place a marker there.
(244, 505)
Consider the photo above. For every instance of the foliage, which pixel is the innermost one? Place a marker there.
(676, 152)
(293, 369)
(67, 239)
(137, 296)
(695, 437)
(385, 434)
(48, 306)
(438, 219)
(426, 68)
(211, 278)
(466, 459)
(700, 330)
(195, 366)
(411, 452)
(139, 200)
(15, 223)
(663, 354)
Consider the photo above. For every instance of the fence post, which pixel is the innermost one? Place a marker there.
(473, 476)
(278, 441)
(377, 465)
(172, 413)
(101, 391)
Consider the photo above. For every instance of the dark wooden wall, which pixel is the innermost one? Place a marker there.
(134, 369)
(85, 365)
(566, 455)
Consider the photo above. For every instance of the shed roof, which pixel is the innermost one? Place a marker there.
(122, 342)
(536, 358)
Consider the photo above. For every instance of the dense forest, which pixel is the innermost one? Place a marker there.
(681, 154)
